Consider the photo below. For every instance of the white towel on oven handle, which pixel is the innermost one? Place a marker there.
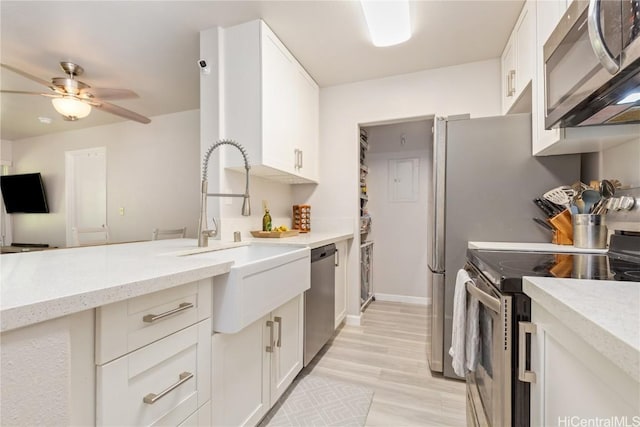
(457, 350)
(472, 333)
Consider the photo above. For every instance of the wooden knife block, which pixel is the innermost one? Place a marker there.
(562, 228)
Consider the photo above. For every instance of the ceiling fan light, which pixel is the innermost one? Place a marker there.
(71, 108)
(388, 21)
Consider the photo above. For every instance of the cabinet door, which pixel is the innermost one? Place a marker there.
(286, 358)
(341, 282)
(278, 104)
(508, 71)
(306, 126)
(240, 391)
(573, 380)
(525, 45)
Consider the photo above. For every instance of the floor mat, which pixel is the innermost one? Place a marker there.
(319, 401)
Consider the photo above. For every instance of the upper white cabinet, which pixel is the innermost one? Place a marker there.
(563, 140)
(517, 63)
(271, 105)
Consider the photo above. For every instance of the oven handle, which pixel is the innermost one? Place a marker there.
(597, 41)
(491, 302)
(525, 328)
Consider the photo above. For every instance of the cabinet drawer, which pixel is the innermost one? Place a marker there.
(128, 325)
(160, 384)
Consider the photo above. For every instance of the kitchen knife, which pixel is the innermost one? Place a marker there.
(543, 223)
(556, 209)
(544, 208)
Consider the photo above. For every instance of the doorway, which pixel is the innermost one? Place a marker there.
(397, 189)
(86, 189)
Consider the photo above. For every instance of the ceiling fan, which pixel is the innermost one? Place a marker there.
(74, 99)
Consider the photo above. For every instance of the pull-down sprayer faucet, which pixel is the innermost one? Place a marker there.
(203, 232)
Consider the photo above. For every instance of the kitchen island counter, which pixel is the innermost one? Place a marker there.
(39, 286)
(605, 314)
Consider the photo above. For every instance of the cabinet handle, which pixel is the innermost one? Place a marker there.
(278, 320)
(152, 398)
(512, 83)
(269, 348)
(337, 263)
(300, 152)
(150, 318)
(296, 163)
(525, 328)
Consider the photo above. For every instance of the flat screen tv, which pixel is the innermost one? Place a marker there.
(24, 193)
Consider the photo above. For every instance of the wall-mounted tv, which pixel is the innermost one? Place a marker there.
(24, 193)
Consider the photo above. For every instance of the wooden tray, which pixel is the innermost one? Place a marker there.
(275, 233)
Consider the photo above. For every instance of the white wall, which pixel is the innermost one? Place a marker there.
(621, 162)
(469, 88)
(152, 171)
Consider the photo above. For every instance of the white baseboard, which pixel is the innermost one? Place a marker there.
(402, 298)
(353, 320)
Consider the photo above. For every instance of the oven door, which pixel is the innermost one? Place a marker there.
(489, 386)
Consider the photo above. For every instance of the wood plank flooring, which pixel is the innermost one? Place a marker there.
(387, 354)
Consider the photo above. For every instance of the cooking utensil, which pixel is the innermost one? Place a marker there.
(560, 195)
(590, 198)
(607, 190)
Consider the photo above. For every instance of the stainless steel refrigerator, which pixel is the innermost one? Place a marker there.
(482, 184)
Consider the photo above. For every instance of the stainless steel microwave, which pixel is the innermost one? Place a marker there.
(592, 65)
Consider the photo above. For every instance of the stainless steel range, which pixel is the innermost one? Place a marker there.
(496, 394)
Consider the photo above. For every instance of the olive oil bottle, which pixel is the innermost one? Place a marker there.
(266, 219)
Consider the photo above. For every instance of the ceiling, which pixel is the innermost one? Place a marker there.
(151, 47)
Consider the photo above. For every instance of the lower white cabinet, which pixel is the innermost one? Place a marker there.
(252, 368)
(574, 384)
(341, 282)
(162, 383)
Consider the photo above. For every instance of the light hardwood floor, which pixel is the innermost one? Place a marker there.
(387, 354)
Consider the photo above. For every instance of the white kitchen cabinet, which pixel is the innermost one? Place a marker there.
(573, 381)
(564, 140)
(162, 383)
(252, 368)
(271, 105)
(159, 343)
(341, 282)
(517, 63)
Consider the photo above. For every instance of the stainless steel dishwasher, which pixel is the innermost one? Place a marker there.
(319, 301)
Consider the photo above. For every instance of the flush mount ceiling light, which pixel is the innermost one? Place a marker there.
(388, 21)
(71, 108)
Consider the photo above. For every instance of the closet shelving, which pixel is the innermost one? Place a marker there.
(366, 246)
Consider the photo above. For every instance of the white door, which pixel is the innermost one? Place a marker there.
(86, 188)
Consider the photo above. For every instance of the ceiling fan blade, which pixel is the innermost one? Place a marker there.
(107, 93)
(29, 76)
(119, 111)
(22, 92)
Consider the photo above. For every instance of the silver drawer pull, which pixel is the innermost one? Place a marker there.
(278, 320)
(152, 398)
(150, 318)
(270, 347)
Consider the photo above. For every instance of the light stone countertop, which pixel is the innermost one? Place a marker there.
(43, 285)
(606, 314)
(531, 247)
(313, 239)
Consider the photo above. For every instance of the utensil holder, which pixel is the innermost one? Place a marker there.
(302, 218)
(563, 228)
(589, 231)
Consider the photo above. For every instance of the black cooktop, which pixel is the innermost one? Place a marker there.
(505, 269)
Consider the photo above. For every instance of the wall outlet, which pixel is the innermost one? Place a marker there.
(121, 211)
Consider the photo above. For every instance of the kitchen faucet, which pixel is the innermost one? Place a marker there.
(203, 232)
